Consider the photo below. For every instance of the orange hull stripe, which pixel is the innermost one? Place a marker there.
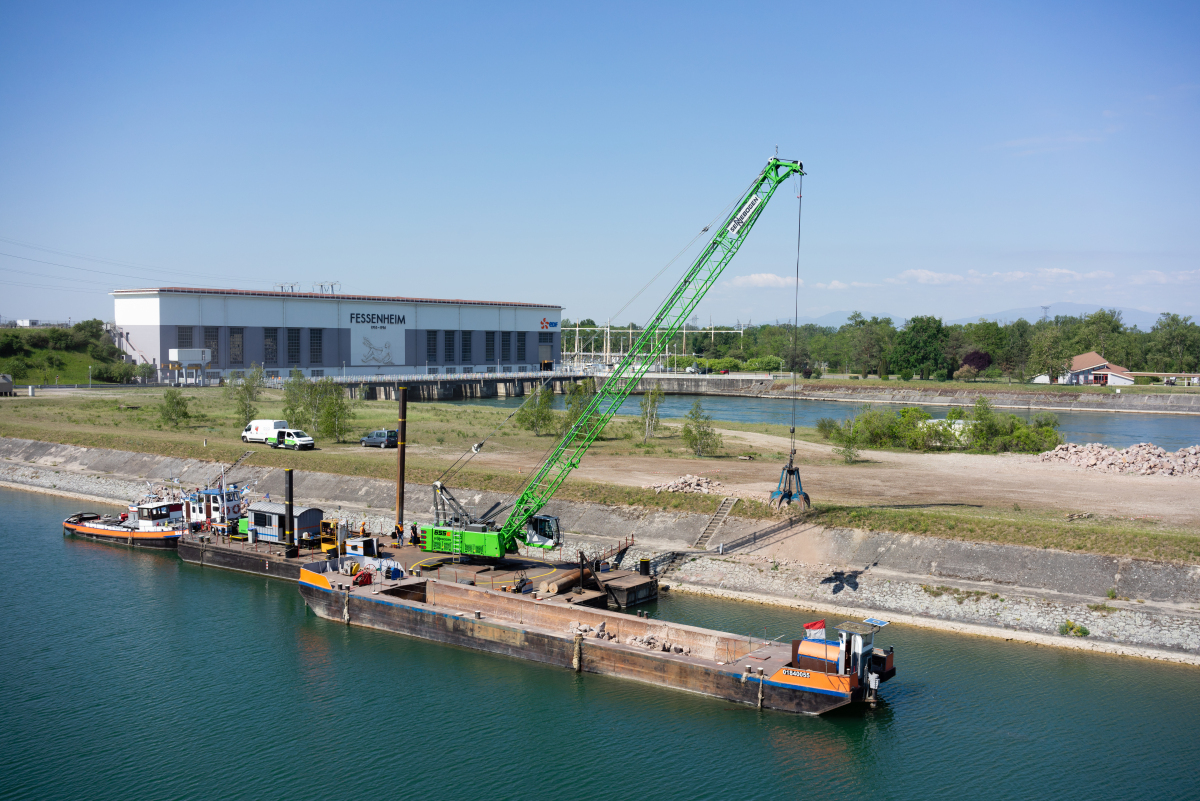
(314, 579)
(108, 532)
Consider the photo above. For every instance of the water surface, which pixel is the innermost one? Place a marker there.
(1118, 429)
(130, 675)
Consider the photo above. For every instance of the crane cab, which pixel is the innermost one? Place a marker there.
(543, 531)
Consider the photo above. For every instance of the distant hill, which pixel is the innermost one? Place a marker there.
(1143, 320)
(837, 319)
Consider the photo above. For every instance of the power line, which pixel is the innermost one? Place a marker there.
(87, 269)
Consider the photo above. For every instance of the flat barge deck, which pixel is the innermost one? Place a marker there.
(745, 670)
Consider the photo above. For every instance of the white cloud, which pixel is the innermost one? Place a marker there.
(926, 277)
(1159, 277)
(760, 280)
(832, 285)
(1059, 274)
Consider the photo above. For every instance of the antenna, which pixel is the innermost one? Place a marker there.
(1045, 309)
(291, 286)
(327, 287)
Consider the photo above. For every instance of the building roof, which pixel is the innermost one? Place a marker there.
(278, 508)
(1092, 360)
(179, 290)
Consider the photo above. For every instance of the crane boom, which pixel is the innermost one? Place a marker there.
(649, 345)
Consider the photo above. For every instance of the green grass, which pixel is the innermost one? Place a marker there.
(981, 386)
(73, 371)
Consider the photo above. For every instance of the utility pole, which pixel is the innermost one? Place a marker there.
(401, 435)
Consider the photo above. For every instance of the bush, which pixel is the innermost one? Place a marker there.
(816, 373)
(698, 432)
(940, 375)
(37, 339)
(765, 364)
(12, 344)
(992, 372)
(906, 375)
(174, 409)
(60, 338)
(826, 427)
(966, 373)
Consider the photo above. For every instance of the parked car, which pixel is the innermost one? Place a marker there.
(723, 372)
(379, 439)
(262, 430)
(292, 438)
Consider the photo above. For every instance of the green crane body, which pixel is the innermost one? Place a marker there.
(523, 520)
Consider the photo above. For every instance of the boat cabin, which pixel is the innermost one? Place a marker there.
(214, 506)
(151, 515)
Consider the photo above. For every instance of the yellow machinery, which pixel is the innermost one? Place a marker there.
(333, 537)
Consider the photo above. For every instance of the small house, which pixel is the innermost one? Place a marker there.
(1090, 369)
(267, 519)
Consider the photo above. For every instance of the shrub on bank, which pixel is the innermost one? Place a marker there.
(983, 430)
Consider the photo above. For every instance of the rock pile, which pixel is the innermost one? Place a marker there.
(653, 643)
(1142, 459)
(598, 632)
(688, 483)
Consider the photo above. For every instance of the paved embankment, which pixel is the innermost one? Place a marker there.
(1004, 591)
(906, 394)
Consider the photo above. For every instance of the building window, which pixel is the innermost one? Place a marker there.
(431, 370)
(431, 346)
(270, 346)
(492, 369)
(545, 337)
(449, 349)
(468, 369)
(506, 346)
(293, 343)
(272, 374)
(520, 346)
(489, 346)
(212, 341)
(466, 346)
(237, 342)
(314, 346)
(318, 373)
(451, 370)
(184, 338)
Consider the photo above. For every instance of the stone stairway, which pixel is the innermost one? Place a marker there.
(217, 478)
(715, 522)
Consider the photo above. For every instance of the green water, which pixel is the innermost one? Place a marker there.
(130, 675)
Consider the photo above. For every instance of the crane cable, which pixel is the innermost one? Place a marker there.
(796, 317)
(478, 446)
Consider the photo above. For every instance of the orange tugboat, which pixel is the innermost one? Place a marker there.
(152, 523)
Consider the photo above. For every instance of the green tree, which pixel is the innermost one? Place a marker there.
(1049, 354)
(174, 408)
(243, 392)
(146, 371)
(89, 330)
(1100, 331)
(919, 343)
(1176, 341)
(698, 432)
(337, 410)
(535, 413)
(649, 405)
(578, 397)
(296, 400)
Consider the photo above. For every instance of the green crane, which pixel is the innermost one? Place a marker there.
(456, 531)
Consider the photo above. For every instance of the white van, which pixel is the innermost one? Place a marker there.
(292, 438)
(262, 430)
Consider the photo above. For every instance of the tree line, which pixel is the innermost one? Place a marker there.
(928, 347)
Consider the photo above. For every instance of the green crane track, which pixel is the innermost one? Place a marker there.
(466, 535)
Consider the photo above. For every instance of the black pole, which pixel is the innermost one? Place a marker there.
(401, 434)
(289, 522)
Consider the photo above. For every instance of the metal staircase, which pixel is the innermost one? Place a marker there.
(217, 478)
(715, 522)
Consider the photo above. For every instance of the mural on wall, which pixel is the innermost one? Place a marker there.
(377, 354)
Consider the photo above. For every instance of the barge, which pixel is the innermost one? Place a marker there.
(806, 676)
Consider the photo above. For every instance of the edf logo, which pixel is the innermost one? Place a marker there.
(548, 324)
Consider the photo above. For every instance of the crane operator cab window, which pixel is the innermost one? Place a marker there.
(542, 531)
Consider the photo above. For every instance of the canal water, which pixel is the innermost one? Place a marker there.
(130, 675)
(1120, 430)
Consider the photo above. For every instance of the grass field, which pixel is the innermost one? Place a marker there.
(439, 432)
(987, 386)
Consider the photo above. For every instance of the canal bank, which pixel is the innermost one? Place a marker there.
(1037, 590)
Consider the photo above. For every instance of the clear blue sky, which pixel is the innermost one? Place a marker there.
(963, 158)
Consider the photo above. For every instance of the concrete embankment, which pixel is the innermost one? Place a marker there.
(1005, 591)
(907, 394)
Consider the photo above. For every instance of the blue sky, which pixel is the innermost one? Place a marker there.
(963, 158)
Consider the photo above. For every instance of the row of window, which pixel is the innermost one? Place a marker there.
(237, 344)
(489, 345)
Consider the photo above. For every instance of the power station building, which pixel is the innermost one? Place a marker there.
(330, 335)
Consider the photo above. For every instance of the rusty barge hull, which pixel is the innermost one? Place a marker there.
(523, 628)
(244, 561)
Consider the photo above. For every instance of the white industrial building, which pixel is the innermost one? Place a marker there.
(325, 334)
